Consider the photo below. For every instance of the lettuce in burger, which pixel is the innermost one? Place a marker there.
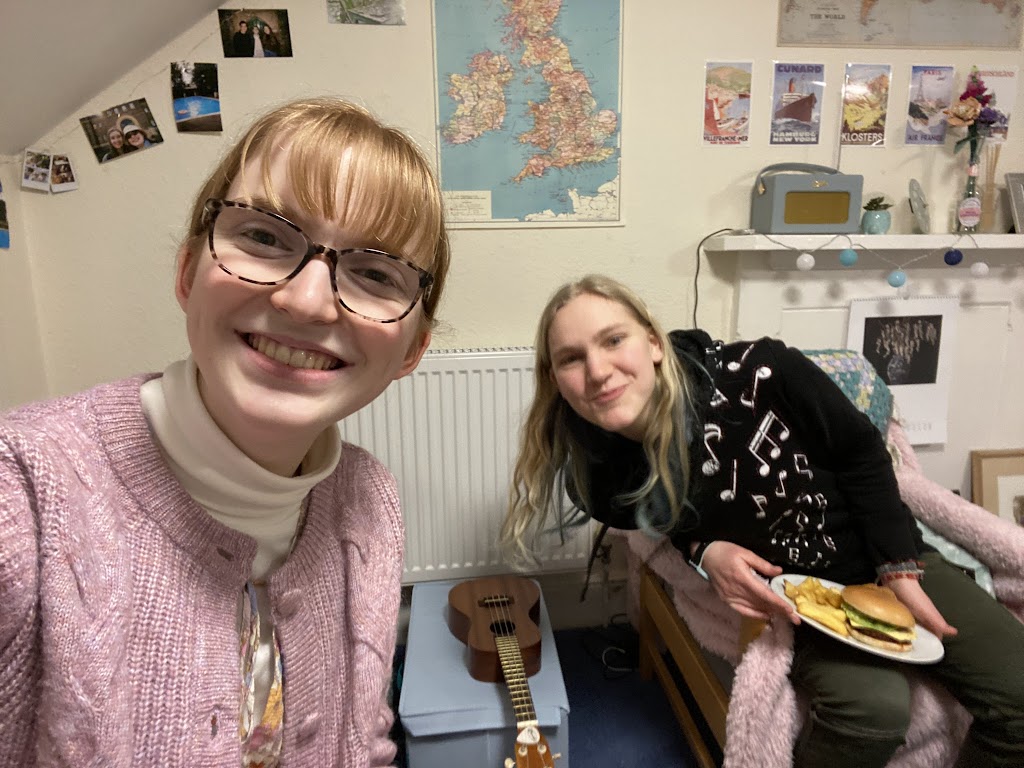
(877, 617)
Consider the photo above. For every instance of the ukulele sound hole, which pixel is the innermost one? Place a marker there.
(503, 628)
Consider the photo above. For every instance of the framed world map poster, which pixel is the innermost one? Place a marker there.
(902, 23)
(528, 112)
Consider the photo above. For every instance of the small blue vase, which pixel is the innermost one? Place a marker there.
(875, 222)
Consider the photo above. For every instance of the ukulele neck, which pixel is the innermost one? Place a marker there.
(515, 679)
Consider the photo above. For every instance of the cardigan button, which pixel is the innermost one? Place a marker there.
(289, 604)
(308, 726)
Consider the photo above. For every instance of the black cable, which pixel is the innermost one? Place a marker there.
(696, 272)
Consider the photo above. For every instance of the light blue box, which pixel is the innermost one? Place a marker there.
(449, 718)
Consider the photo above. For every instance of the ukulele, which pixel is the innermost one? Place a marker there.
(496, 617)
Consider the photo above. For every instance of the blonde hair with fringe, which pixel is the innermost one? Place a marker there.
(388, 191)
(549, 446)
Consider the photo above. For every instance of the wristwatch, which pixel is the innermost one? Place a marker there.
(697, 558)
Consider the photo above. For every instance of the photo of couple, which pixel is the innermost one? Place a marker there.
(121, 130)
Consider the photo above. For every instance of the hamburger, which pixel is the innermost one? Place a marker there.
(877, 617)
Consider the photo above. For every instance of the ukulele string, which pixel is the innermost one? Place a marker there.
(508, 628)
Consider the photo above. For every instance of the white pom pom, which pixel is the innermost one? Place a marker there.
(804, 262)
(979, 269)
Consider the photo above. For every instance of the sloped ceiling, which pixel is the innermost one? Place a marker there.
(56, 54)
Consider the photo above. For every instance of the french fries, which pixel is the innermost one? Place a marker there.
(816, 601)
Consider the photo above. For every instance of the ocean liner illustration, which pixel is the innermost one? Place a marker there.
(795, 105)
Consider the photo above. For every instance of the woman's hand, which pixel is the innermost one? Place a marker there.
(911, 594)
(733, 572)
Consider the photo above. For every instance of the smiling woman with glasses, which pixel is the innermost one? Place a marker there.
(209, 518)
(264, 248)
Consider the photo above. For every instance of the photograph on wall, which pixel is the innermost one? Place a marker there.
(121, 130)
(248, 33)
(529, 112)
(5, 228)
(195, 96)
(931, 91)
(910, 344)
(865, 103)
(366, 11)
(62, 174)
(796, 103)
(901, 23)
(727, 102)
(35, 170)
(1011, 498)
(1002, 84)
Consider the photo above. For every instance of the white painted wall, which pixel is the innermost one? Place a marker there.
(101, 258)
(22, 375)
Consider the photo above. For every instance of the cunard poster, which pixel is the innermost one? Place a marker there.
(727, 102)
(910, 344)
(931, 91)
(865, 103)
(796, 103)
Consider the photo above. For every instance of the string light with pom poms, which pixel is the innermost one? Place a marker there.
(897, 277)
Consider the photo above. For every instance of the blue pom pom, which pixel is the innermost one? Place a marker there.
(847, 257)
(897, 278)
(953, 256)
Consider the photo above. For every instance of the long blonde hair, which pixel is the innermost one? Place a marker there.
(550, 447)
(389, 188)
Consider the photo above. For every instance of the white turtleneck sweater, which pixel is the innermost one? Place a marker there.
(234, 489)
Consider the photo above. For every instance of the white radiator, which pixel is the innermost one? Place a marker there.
(450, 432)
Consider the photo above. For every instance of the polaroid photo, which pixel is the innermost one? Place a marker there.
(5, 228)
(121, 130)
(247, 33)
(62, 174)
(36, 170)
(195, 96)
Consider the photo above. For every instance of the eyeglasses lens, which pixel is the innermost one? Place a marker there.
(259, 247)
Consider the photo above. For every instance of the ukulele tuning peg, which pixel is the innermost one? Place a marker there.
(510, 763)
(556, 755)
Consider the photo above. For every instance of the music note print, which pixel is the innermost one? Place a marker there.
(780, 489)
(801, 459)
(737, 364)
(729, 494)
(718, 399)
(762, 436)
(712, 465)
(749, 398)
(762, 504)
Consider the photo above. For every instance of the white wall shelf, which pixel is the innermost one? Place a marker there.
(779, 252)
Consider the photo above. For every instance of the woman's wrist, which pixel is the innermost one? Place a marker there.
(696, 559)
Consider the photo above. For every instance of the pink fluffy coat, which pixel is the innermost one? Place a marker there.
(765, 714)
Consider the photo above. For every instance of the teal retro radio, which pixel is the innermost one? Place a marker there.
(805, 199)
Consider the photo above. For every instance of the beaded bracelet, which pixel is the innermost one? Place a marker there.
(905, 569)
(893, 575)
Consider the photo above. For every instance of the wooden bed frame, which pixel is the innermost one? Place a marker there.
(661, 627)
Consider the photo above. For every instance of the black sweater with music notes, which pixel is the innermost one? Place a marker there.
(782, 463)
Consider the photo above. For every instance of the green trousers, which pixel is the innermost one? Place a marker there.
(860, 703)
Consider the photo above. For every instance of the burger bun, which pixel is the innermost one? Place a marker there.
(877, 642)
(879, 603)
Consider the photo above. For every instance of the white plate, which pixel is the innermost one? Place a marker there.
(926, 648)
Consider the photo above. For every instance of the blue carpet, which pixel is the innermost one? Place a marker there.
(616, 719)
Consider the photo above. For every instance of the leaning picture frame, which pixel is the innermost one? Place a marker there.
(997, 482)
(1015, 189)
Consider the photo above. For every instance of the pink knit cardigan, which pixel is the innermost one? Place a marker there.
(119, 600)
(764, 713)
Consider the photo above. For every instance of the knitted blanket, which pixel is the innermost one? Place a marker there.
(765, 714)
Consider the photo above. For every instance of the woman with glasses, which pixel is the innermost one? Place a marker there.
(194, 569)
(753, 461)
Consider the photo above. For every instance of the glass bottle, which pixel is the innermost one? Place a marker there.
(968, 212)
